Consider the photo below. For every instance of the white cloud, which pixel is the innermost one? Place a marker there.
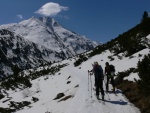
(20, 16)
(51, 9)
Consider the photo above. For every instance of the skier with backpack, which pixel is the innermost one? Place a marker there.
(98, 73)
(110, 72)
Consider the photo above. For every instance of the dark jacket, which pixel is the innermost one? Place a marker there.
(98, 71)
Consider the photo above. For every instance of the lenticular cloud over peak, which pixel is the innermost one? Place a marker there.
(51, 9)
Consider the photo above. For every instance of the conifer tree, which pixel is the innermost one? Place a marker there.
(145, 15)
(144, 74)
(146, 24)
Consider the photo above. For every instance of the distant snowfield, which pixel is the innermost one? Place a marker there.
(83, 99)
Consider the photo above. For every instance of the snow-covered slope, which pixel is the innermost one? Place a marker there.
(78, 90)
(49, 33)
(16, 50)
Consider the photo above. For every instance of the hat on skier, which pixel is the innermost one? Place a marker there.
(95, 63)
(107, 63)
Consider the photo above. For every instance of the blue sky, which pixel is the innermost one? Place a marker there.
(98, 20)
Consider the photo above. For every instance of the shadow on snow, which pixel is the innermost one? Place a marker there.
(117, 102)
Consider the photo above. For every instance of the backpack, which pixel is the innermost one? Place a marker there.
(112, 69)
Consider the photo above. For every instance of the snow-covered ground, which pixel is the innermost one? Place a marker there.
(80, 88)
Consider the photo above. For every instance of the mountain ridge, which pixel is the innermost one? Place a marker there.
(49, 33)
(46, 36)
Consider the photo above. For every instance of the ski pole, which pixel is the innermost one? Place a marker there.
(88, 80)
(91, 84)
(105, 85)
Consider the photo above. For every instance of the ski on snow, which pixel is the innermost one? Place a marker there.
(100, 100)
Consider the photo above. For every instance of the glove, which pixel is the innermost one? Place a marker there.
(91, 74)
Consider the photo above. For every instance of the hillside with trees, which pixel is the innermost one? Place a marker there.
(129, 43)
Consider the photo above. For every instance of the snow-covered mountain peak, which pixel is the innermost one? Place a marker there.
(31, 21)
(49, 21)
(49, 33)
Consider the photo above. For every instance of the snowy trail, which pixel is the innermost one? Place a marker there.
(73, 81)
(83, 103)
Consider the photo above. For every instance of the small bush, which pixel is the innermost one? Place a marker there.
(35, 99)
(19, 105)
(1, 96)
(81, 59)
